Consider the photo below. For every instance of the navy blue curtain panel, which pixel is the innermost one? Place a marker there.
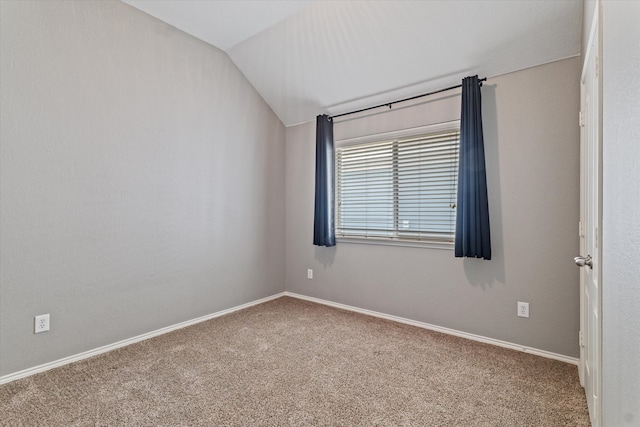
(324, 214)
(473, 237)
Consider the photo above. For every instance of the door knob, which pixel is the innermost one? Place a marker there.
(582, 261)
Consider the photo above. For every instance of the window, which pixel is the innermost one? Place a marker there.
(400, 186)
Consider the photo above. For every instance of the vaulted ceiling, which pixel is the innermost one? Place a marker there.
(312, 57)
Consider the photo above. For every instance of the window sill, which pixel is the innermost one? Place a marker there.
(388, 242)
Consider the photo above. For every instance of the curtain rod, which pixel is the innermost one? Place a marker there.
(389, 104)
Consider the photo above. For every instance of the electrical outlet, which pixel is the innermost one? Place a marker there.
(523, 309)
(309, 273)
(41, 323)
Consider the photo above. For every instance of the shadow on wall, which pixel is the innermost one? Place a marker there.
(481, 272)
(325, 255)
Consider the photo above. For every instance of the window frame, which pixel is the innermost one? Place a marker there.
(435, 243)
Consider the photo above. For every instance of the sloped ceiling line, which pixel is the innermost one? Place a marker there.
(315, 57)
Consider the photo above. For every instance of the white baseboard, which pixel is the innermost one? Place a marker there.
(474, 337)
(90, 353)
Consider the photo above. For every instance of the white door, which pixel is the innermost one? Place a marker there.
(590, 231)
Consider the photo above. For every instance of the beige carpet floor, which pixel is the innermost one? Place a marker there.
(289, 362)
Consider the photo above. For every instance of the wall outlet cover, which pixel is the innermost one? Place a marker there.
(523, 309)
(41, 323)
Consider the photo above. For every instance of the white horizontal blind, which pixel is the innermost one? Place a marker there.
(400, 189)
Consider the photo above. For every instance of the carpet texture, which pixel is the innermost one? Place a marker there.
(289, 362)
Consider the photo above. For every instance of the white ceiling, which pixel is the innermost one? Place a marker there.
(222, 23)
(312, 57)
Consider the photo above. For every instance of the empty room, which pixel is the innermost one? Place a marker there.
(332, 213)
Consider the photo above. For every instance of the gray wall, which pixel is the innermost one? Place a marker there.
(532, 146)
(621, 204)
(142, 180)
